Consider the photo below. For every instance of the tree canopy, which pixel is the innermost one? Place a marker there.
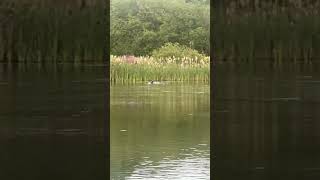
(140, 26)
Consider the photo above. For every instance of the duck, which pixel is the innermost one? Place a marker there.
(154, 82)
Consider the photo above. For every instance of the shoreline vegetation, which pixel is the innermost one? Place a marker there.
(69, 31)
(159, 40)
(131, 69)
(273, 31)
(45, 31)
(170, 62)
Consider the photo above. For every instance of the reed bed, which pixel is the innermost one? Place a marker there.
(52, 31)
(148, 68)
(280, 31)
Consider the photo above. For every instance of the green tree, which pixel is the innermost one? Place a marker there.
(140, 26)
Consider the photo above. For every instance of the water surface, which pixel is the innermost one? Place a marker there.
(160, 131)
(51, 122)
(266, 121)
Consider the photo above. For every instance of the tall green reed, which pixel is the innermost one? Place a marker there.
(52, 31)
(148, 68)
(277, 32)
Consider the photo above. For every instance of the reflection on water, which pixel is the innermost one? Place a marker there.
(191, 165)
(50, 127)
(266, 122)
(160, 131)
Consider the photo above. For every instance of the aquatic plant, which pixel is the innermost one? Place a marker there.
(149, 68)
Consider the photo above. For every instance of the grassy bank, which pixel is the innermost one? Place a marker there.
(148, 68)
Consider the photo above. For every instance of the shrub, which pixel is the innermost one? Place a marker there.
(177, 52)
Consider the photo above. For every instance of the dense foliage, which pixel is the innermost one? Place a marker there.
(138, 27)
(177, 52)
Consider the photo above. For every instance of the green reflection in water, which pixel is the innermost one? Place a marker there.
(160, 131)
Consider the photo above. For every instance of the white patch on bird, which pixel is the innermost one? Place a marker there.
(123, 130)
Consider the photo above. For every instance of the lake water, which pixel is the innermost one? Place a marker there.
(51, 122)
(265, 125)
(160, 131)
(266, 122)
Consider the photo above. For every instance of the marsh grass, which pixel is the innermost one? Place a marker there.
(52, 31)
(169, 69)
(277, 39)
(268, 31)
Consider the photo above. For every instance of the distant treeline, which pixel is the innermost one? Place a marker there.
(140, 26)
(279, 30)
(52, 30)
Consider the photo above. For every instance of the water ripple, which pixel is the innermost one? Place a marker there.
(193, 166)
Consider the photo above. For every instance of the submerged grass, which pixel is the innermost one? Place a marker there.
(149, 68)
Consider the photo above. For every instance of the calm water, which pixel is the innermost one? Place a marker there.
(266, 125)
(266, 122)
(51, 122)
(160, 131)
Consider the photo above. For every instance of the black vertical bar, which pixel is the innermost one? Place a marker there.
(106, 60)
(212, 81)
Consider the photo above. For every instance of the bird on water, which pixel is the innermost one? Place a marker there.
(154, 82)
